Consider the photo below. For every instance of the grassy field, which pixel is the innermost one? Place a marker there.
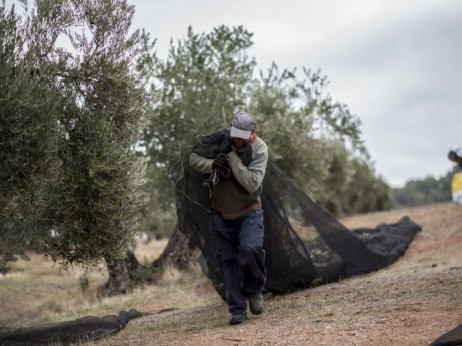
(412, 302)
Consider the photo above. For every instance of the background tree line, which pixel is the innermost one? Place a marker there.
(425, 191)
(85, 153)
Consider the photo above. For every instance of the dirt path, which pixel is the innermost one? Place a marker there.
(412, 302)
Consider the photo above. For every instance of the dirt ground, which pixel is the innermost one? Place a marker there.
(412, 302)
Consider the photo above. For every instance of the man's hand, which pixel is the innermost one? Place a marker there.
(221, 160)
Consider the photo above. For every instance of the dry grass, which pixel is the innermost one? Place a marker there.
(412, 302)
(36, 293)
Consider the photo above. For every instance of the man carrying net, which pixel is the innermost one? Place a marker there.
(237, 168)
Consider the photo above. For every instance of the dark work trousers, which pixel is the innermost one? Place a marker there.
(238, 248)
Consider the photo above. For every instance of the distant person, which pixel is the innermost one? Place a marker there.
(236, 163)
(456, 156)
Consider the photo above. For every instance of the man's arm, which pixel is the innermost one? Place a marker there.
(209, 146)
(200, 163)
(250, 177)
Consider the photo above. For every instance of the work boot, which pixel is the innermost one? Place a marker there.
(239, 318)
(257, 304)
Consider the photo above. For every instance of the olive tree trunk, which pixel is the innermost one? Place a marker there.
(125, 274)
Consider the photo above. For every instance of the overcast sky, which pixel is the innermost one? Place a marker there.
(397, 64)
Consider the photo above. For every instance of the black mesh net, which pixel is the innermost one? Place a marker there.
(65, 333)
(304, 243)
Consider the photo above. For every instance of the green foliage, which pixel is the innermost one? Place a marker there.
(207, 78)
(364, 191)
(425, 191)
(70, 175)
(196, 89)
(309, 135)
(296, 118)
(316, 141)
(28, 133)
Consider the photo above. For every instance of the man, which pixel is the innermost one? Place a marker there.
(237, 167)
(456, 156)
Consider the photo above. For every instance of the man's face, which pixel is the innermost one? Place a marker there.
(239, 142)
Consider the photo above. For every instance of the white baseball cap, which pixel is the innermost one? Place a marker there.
(242, 125)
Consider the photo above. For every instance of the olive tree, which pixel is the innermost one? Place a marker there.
(72, 109)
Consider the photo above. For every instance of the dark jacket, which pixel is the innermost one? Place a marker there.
(239, 193)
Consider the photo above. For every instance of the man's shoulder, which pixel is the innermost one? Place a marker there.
(258, 142)
(259, 147)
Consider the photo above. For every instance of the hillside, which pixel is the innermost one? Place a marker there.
(412, 302)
